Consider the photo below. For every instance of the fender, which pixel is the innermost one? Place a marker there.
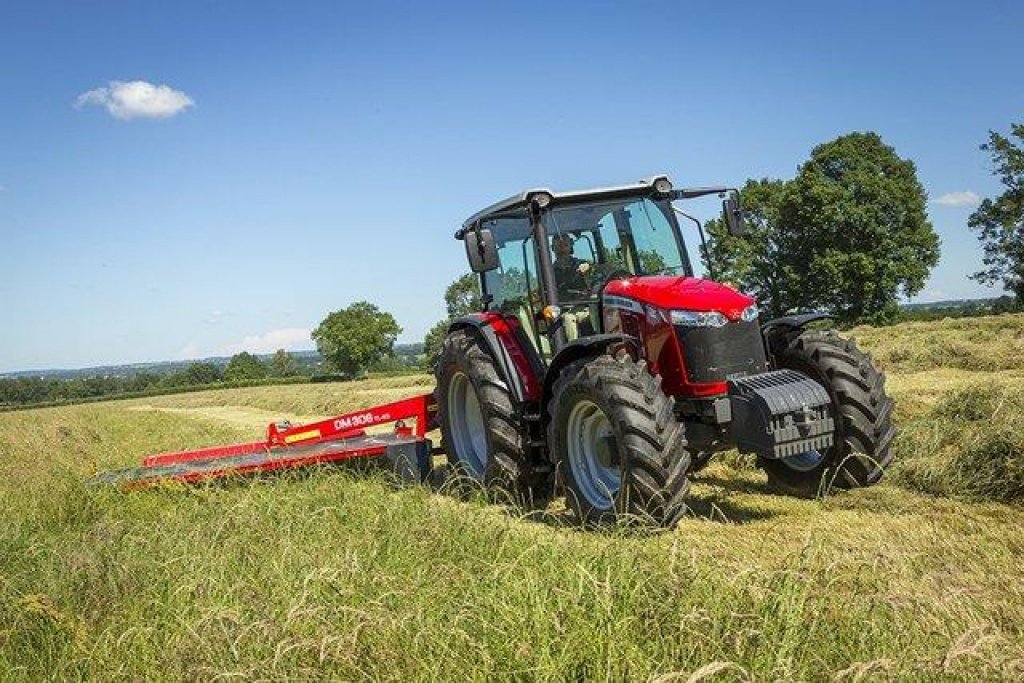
(773, 332)
(516, 358)
(795, 321)
(581, 348)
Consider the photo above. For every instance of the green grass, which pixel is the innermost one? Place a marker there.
(337, 575)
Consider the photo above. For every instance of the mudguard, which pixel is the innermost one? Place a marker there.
(795, 321)
(508, 343)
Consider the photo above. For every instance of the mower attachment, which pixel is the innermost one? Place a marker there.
(332, 440)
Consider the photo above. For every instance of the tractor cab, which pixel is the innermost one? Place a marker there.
(588, 245)
(554, 254)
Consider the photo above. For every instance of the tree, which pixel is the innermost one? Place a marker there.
(999, 222)
(282, 364)
(849, 234)
(760, 261)
(244, 366)
(354, 338)
(432, 342)
(463, 296)
(196, 373)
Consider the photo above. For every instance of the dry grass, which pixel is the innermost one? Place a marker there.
(335, 575)
(990, 343)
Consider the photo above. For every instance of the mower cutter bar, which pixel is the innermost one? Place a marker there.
(332, 440)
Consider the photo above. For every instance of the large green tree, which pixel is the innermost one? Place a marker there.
(760, 261)
(356, 337)
(999, 222)
(244, 366)
(850, 234)
(462, 297)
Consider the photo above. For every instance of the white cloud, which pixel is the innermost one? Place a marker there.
(136, 100)
(961, 198)
(214, 317)
(288, 338)
(189, 352)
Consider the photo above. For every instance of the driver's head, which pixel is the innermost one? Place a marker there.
(562, 245)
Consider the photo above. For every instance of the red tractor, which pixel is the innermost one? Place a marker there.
(601, 365)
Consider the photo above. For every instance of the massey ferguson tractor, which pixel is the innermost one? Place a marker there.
(601, 367)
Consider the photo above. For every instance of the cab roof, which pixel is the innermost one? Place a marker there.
(518, 203)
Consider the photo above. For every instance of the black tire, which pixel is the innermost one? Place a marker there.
(498, 461)
(860, 407)
(650, 443)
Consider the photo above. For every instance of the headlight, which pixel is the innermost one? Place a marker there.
(699, 318)
(750, 313)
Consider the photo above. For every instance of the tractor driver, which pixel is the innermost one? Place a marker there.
(570, 272)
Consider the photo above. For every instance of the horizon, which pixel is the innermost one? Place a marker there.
(185, 181)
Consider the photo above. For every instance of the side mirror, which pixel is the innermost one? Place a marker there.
(480, 250)
(733, 214)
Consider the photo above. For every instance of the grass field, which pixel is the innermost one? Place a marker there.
(336, 575)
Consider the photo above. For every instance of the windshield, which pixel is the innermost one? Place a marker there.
(590, 243)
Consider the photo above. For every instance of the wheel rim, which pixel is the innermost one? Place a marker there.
(467, 423)
(588, 438)
(804, 462)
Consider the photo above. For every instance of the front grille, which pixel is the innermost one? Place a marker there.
(715, 354)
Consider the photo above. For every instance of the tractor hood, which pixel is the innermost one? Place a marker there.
(681, 293)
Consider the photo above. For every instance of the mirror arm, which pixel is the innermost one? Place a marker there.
(703, 241)
(694, 192)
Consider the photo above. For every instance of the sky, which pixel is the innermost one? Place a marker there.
(187, 179)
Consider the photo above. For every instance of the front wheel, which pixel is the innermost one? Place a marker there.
(619, 449)
(860, 407)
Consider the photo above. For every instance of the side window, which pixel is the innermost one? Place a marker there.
(583, 248)
(610, 246)
(654, 239)
(516, 276)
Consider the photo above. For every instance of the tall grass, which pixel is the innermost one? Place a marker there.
(970, 445)
(336, 575)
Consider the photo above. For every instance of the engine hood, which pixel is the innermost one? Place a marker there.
(686, 293)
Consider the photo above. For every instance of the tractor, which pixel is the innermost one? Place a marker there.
(601, 367)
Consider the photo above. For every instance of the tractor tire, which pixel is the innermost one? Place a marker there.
(860, 407)
(480, 431)
(620, 452)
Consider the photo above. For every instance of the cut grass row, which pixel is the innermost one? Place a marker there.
(336, 575)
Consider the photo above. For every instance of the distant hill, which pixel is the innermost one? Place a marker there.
(953, 303)
(307, 361)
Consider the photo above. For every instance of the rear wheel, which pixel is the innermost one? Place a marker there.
(619, 448)
(480, 431)
(860, 407)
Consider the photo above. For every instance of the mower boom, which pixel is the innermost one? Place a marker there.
(287, 446)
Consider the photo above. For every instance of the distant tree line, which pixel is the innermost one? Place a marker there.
(241, 368)
(962, 309)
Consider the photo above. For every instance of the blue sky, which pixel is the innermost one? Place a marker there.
(310, 154)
